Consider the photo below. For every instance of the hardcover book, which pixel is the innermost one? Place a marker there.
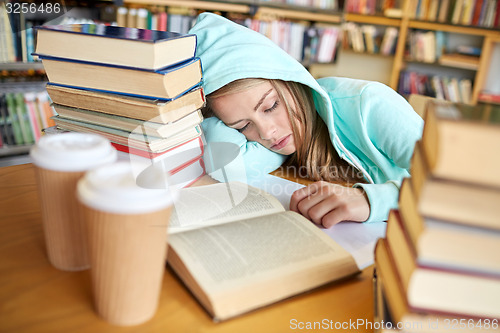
(391, 293)
(129, 106)
(169, 161)
(132, 139)
(166, 83)
(131, 47)
(150, 127)
(449, 132)
(441, 199)
(268, 254)
(187, 174)
(449, 291)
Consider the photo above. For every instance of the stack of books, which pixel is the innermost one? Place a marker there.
(438, 267)
(138, 88)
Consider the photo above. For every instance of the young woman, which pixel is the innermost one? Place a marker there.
(332, 130)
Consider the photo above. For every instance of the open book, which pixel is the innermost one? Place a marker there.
(237, 249)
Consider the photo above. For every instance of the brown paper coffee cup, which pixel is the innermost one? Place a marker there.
(64, 229)
(127, 230)
(60, 161)
(128, 256)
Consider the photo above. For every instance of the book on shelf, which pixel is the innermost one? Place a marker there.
(13, 117)
(467, 12)
(490, 97)
(6, 122)
(7, 52)
(19, 119)
(135, 140)
(167, 83)
(309, 44)
(269, 254)
(34, 115)
(393, 305)
(422, 10)
(129, 106)
(327, 48)
(353, 37)
(459, 60)
(393, 12)
(130, 47)
(482, 13)
(367, 7)
(425, 46)
(23, 117)
(477, 11)
(362, 38)
(465, 88)
(16, 35)
(432, 13)
(444, 88)
(449, 131)
(454, 90)
(469, 50)
(45, 109)
(389, 41)
(457, 12)
(150, 127)
(370, 37)
(443, 11)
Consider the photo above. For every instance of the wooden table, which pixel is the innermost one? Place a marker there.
(35, 297)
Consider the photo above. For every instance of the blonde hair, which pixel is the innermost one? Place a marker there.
(315, 158)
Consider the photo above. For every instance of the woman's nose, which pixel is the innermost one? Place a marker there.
(266, 130)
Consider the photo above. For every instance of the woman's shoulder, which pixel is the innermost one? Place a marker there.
(342, 87)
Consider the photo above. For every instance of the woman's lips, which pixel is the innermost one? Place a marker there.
(280, 144)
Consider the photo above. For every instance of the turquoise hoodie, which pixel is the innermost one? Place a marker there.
(370, 125)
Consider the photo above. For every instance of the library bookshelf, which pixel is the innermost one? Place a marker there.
(408, 22)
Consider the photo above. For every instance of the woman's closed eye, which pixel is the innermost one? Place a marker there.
(272, 108)
(241, 129)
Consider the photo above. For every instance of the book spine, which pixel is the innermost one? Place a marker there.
(30, 42)
(33, 115)
(14, 119)
(24, 120)
(5, 124)
(121, 16)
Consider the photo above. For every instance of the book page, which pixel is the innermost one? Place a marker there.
(254, 250)
(207, 205)
(358, 239)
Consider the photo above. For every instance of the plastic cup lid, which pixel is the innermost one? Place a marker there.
(72, 152)
(114, 188)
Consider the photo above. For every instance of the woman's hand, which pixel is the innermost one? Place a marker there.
(327, 204)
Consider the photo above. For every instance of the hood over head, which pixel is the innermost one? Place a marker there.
(229, 52)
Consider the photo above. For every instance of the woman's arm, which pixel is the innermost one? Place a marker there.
(384, 129)
(393, 127)
(229, 156)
